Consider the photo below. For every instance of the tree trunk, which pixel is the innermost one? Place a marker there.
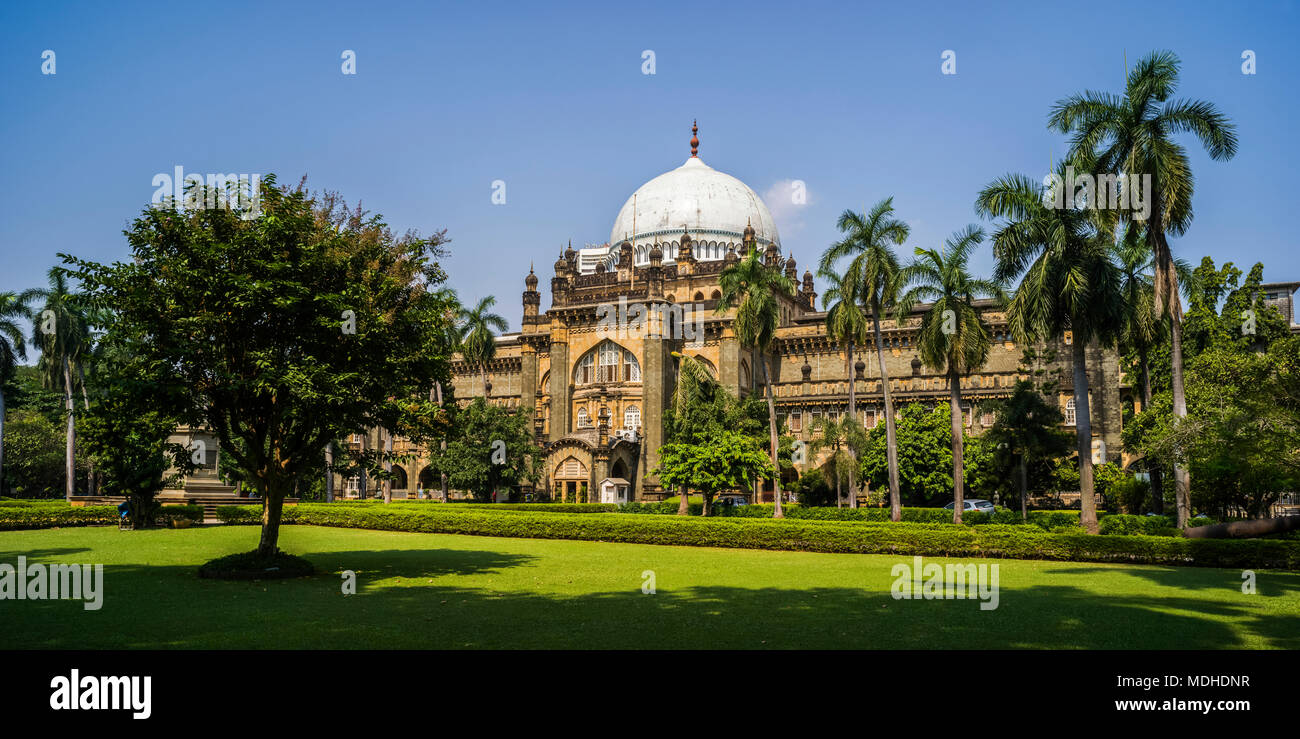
(272, 507)
(683, 503)
(388, 465)
(1244, 529)
(1154, 470)
(954, 410)
(1166, 291)
(708, 503)
(1182, 480)
(70, 466)
(839, 486)
(90, 463)
(853, 418)
(891, 436)
(443, 446)
(1083, 436)
(329, 472)
(778, 512)
(1024, 488)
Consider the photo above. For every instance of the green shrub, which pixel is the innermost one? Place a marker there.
(933, 539)
(59, 513)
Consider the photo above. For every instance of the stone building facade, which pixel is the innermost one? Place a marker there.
(595, 369)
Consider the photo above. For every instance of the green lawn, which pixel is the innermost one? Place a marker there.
(443, 591)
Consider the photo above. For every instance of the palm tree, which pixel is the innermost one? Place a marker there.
(449, 338)
(1133, 133)
(847, 324)
(869, 241)
(61, 332)
(12, 349)
(842, 437)
(1143, 329)
(953, 338)
(695, 386)
(477, 338)
(1067, 283)
(751, 287)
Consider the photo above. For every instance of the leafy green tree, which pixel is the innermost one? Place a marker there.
(127, 435)
(873, 278)
(281, 330)
(1062, 257)
(490, 449)
(953, 338)
(1134, 134)
(13, 312)
(924, 454)
(753, 289)
(725, 461)
(35, 460)
(477, 341)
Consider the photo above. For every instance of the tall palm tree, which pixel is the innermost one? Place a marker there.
(449, 340)
(869, 241)
(477, 338)
(953, 338)
(61, 331)
(1134, 133)
(847, 324)
(13, 348)
(1067, 283)
(752, 287)
(695, 386)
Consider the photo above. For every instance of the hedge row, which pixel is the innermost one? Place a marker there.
(49, 516)
(1015, 542)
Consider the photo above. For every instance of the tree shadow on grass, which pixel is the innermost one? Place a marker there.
(1268, 583)
(409, 608)
(11, 557)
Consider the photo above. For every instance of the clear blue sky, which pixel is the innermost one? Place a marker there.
(550, 98)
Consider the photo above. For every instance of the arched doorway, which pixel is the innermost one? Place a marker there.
(570, 481)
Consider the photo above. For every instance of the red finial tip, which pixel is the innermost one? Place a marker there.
(695, 138)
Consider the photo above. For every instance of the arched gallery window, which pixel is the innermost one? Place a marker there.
(608, 362)
(631, 417)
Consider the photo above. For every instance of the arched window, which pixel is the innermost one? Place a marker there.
(608, 362)
(584, 420)
(717, 295)
(631, 417)
(699, 296)
(746, 379)
(1069, 412)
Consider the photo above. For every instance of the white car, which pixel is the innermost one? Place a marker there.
(974, 504)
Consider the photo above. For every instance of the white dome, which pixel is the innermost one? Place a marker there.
(712, 206)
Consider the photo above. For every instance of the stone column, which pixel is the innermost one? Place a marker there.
(655, 374)
(559, 381)
(528, 381)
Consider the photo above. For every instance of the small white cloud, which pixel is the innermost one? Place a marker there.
(787, 199)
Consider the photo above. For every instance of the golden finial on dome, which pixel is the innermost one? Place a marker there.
(695, 139)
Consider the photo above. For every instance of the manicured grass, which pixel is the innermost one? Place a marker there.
(445, 591)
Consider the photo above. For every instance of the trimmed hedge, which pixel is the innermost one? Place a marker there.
(13, 518)
(993, 540)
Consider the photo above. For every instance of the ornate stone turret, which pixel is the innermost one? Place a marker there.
(624, 262)
(655, 273)
(771, 255)
(791, 271)
(748, 240)
(732, 257)
(603, 428)
(809, 292)
(686, 254)
(571, 255)
(560, 283)
(532, 298)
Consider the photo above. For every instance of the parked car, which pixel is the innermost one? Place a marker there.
(733, 499)
(974, 504)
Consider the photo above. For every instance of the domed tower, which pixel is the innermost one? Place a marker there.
(532, 298)
(560, 282)
(716, 207)
(791, 271)
(625, 262)
(748, 238)
(809, 292)
(686, 254)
